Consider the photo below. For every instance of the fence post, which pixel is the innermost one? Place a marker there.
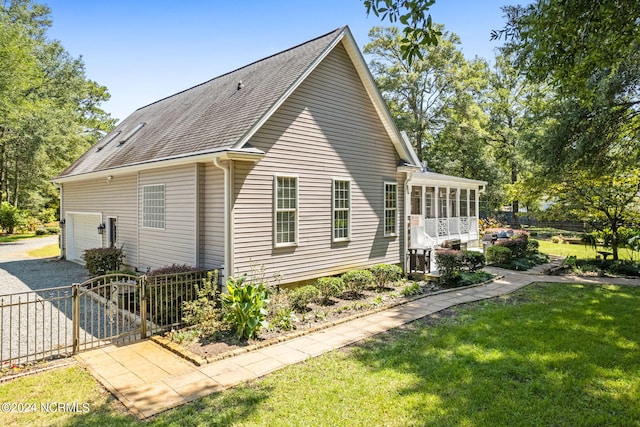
(75, 316)
(143, 306)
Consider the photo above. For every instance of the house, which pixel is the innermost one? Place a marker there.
(292, 162)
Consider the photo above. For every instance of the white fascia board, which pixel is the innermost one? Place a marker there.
(205, 157)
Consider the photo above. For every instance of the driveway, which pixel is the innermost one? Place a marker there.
(20, 272)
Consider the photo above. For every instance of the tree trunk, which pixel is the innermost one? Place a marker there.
(515, 205)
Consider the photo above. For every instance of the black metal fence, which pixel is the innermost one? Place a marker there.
(59, 322)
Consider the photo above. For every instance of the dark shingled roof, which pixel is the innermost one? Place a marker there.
(210, 117)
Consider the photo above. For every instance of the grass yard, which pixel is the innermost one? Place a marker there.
(46, 251)
(581, 251)
(8, 238)
(550, 354)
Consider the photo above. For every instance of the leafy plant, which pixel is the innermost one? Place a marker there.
(449, 263)
(411, 289)
(244, 307)
(285, 319)
(203, 311)
(497, 254)
(302, 296)
(100, 260)
(472, 261)
(172, 269)
(356, 281)
(329, 287)
(384, 274)
(10, 217)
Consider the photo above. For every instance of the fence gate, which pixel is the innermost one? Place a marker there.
(114, 308)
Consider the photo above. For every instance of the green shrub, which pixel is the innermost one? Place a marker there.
(202, 311)
(41, 232)
(329, 287)
(100, 260)
(472, 261)
(449, 263)
(53, 230)
(497, 254)
(517, 245)
(172, 269)
(468, 279)
(533, 247)
(285, 319)
(383, 274)
(10, 217)
(302, 296)
(411, 289)
(356, 281)
(244, 307)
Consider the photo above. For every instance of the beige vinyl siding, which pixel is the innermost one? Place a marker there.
(177, 242)
(116, 198)
(212, 223)
(326, 130)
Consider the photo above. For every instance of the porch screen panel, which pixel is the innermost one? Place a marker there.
(472, 204)
(453, 202)
(416, 200)
(442, 203)
(464, 205)
(429, 202)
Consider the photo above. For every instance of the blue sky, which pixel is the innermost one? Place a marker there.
(143, 51)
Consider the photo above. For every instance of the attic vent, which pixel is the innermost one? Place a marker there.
(115, 135)
(131, 133)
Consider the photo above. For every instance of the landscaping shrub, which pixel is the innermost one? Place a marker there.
(53, 230)
(202, 311)
(384, 274)
(472, 261)
(244, 307)
(41, 232)
(284, 319)
(10, 217)
(172, 269)
(302, 296)
(449, 263)
(329, 287)
(100, 260)
(411, 290)
(497, 254)
(533, 247)
(356, 281)
(517, 245)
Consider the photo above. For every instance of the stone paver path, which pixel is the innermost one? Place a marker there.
(149, 379)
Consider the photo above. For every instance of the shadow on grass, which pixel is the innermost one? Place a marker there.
(550, 355)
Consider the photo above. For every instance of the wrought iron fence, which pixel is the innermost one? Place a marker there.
(58, 322)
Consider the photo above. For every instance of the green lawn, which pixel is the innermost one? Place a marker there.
(46, 251)
(580, 251)
(550, 354)
(8, 238)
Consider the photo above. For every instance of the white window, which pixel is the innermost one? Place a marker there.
(416, 200)
(153, 204)
(429, 203)
(286, 210)
(341, 210)
(390, 209)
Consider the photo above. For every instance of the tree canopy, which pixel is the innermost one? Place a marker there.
(49, 109)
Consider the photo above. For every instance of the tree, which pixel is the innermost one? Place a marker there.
(419, 30)
(513, 105)
(49, 110)
(589, 52)
(606, 202)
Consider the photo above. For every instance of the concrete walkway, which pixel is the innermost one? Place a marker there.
(149, 379)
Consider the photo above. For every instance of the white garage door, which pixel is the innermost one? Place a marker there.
(82, 234)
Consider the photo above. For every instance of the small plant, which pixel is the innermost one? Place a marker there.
(356, 281)
(302, 296)
(411, 289)
(100, 260)
(202, 311)
(244, 307)
(41, 232)
(172, 269)
(53, 230)
(329, 287)
(500, 255)
(183, 336)
(449, 263)
(384, 274)
(285, 319)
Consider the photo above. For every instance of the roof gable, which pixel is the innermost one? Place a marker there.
(223, 113)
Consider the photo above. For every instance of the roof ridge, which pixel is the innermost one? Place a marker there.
(240, 68)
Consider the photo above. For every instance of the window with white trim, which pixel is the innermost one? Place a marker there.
(153, 206)
(390, 209)
(341, 210)
(285, 210)
(472, 203)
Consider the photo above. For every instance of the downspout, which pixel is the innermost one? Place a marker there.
(62, 239)
(227, 268)
(407, 213)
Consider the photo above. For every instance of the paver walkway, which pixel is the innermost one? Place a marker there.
(149, 379)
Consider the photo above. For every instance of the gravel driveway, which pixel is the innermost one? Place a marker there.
(39, 325)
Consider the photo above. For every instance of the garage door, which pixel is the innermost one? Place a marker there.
(82, 234)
